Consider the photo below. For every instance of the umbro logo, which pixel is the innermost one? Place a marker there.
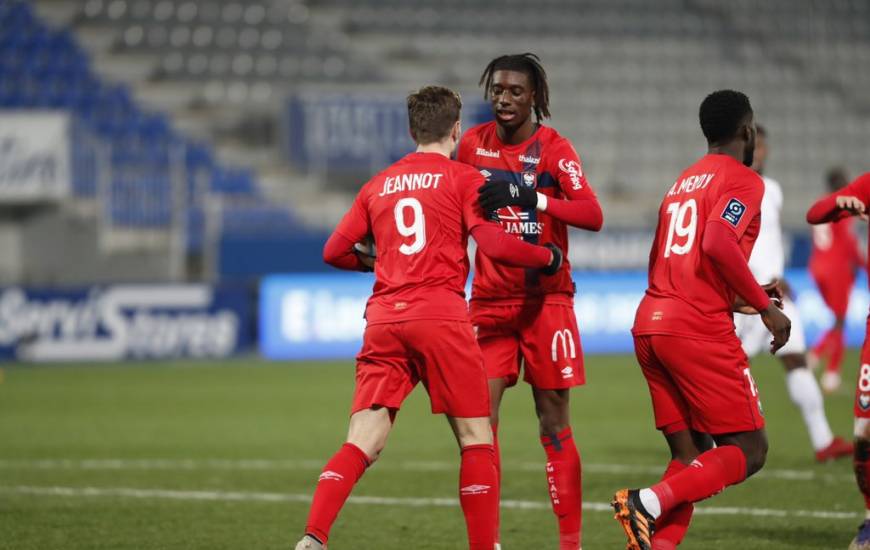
(567, 372)
(330, 475)
(475, 490)
(486, 173)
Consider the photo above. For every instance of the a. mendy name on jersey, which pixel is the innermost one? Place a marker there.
(148, 321)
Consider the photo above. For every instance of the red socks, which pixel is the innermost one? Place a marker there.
(564, 485)
(672, 527)
(707, 475)
(832, 346)
(334, 486)
(478, 495)
(836, 349)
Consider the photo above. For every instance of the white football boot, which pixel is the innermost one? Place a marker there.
(308, 543)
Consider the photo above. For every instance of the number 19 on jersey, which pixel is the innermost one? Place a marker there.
(682, 224)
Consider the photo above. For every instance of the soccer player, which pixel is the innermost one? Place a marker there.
(698, 376)
(767, 264)
(419, 212)
(844, 203)
(536, 189)
(835, 257)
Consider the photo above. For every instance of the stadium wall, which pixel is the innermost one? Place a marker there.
(321, 316)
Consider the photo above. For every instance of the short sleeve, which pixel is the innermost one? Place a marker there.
(739, 204)
(564, 164)
(355, 224)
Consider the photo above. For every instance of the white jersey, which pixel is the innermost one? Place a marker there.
(767, 261)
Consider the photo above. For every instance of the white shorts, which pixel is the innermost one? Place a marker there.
(755, 337)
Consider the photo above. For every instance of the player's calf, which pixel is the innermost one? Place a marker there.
(753, 446)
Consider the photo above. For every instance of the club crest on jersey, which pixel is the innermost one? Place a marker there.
(734, 212)
(572, 168)
(864, 401)
(529, 179)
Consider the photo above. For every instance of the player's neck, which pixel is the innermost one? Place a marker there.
(732, 150)
(442, 148)
(515, 136)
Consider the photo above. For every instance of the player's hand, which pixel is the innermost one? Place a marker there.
(496, 194)
(366, 253)
(853, 205)
(776, 289)
(555, 261)
(778, 324)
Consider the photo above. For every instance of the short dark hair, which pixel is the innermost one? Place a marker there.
(527, 63)
(721, 114)
(432, 112)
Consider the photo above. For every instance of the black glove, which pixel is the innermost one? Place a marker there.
(554, 266)
(499, 193)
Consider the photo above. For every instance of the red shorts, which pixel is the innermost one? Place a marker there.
(862, 389)
(442, 354)
(543, 336)
(835, 290)
(698, 384)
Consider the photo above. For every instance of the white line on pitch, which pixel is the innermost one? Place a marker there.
(387, 464)
(241, 496)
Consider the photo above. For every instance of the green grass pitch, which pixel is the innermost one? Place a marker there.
(224, 455)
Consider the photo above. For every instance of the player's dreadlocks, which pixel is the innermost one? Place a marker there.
(527, 63)
(721, 113)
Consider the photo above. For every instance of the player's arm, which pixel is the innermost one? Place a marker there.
(848, 201)
(579, 209)
(506, 249)
(340, 249)
(728, 221)
(493, 241)
(774, 289)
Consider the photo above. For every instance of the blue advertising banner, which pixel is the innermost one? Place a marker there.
(321, 316)
(354, 130)
(124, 322)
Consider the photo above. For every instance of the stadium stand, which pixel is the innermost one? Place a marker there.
(626, 74)
(626, 77)
(153, 169)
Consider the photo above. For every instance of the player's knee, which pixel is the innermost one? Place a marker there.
(862, 449)
(862, 429)
(473, 431)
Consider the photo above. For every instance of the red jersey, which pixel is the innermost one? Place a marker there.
(824, 210)
(547, 162)
(687, 296)
(420, 211)
(835, 248)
